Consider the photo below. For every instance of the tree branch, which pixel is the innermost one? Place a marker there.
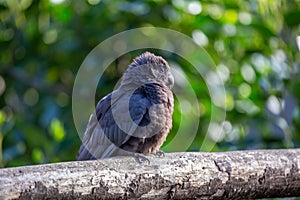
(239, 175)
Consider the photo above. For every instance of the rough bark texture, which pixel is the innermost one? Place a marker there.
(230, 175)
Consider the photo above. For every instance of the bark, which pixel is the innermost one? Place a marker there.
(185, 175)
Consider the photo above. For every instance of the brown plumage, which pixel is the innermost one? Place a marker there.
(136, 117)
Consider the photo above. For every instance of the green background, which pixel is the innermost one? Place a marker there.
(43, 43)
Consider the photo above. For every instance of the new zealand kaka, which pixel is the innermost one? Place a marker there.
(136, 117)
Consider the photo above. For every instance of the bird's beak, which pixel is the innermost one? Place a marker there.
(170, 81)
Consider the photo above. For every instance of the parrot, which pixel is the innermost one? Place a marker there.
(135, 118)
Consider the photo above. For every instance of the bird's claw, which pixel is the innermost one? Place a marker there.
(140, 158)
(160, 154)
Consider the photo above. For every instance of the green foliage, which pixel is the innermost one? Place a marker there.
(43, 44)
(57, 130)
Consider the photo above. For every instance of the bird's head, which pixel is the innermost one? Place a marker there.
(148, 68)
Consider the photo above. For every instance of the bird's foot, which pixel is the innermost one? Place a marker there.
(141, 158)
(160, 154)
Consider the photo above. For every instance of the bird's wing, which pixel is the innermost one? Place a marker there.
(109, 126)
(93, 136)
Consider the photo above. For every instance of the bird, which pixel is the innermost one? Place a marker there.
(135, 118)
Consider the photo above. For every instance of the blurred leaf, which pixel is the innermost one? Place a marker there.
(292, 18)
(57, 130)
(2, 117)
(37, 155)
(230, 16)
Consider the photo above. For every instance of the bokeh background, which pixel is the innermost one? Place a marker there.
(43, 43)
